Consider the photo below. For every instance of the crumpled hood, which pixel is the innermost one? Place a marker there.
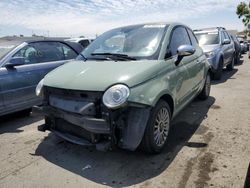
(99, 75)
(209, 48)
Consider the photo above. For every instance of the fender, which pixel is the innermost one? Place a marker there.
(133, 132)
(218, 57)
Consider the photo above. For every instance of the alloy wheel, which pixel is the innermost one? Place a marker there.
(161, 127)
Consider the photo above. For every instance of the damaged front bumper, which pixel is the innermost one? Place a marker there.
(94, 125)
(90, 124)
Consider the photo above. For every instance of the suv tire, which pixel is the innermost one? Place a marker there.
(230, 67)
(156, 132)
(218, 73)
(206, 88)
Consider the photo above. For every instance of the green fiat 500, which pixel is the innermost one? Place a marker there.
(126, 87)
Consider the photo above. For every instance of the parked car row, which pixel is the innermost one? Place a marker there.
(123, 89)
(221, 49)
(243, 44)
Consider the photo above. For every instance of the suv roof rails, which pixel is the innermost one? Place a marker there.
(209, 28)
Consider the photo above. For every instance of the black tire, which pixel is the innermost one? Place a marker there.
(218, 73)
(230, 67)
(237, 59)
(206, 88)
(149, 141)
(26, 112)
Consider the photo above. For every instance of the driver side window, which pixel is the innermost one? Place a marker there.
(29, 54)
(179, 37)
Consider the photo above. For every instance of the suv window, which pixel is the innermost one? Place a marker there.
(223, 37)
(39, 52)
(84, 43)
(193, 38)
(179, 37)
(227, 35)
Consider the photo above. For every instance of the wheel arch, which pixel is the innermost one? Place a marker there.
(168, 98)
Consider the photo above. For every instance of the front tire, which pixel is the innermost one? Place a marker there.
(206, 88)
(230, 67)
(218, 73)
(156, 133)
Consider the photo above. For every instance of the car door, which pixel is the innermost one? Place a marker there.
(19, 82)
(186, 71)
(16, 83)
(226, 48)
(230, 48)
(199, 67)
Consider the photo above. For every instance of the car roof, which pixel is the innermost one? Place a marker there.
(172, 24)
(19, 40)
(206, 30)
(77, 39)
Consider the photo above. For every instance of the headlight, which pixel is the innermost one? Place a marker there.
(39, 88)
(116, 96)
(210, 54)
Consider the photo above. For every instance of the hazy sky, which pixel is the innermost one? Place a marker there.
(90, 17)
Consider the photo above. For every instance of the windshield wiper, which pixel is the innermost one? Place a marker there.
(115, 55)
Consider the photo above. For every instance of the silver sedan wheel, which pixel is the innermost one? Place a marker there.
(161, 127)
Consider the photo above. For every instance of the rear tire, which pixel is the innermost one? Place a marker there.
(206, 88)
(218, 73)
(156, 132)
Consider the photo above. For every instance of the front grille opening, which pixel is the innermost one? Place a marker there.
(66, 127)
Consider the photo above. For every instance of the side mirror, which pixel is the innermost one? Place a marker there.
(15, 61)
(184, 50)
(226, 41)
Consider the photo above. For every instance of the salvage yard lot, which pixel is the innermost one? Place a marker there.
(208, 146)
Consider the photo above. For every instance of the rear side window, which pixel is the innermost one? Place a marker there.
(179, 37)
(48, 51)
(68, 52)
(193, 38)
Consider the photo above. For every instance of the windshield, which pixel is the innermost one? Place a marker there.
(208, 38)
(140, 41)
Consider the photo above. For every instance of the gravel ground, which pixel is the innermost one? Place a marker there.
(208, 146)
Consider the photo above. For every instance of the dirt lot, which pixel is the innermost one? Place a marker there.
(208, 146)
